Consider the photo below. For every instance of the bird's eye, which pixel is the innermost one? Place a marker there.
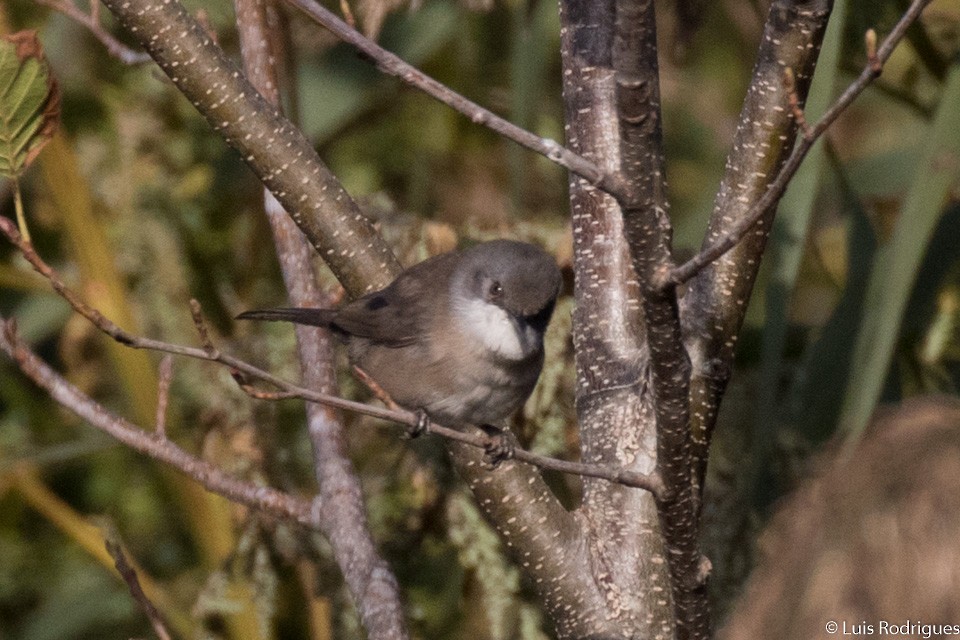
(496, 290)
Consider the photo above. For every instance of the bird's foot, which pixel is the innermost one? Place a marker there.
(499, 446)
(420, 427)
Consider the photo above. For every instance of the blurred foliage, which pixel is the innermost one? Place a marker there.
(142, 207)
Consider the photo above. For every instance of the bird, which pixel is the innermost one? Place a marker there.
(457, 337)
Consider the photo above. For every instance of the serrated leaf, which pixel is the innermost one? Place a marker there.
(29, 101)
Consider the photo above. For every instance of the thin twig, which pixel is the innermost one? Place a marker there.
(129, 576)
(375, 388)
(648, 482)
(393, 65)
(196, 314)
(91, 21)
(773, 193)
(348, 13)
(268, 500)
(163, 394)
(870, 44)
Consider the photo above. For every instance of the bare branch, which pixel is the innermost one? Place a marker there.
(872, 69)
(279, 154)
(714, 305)
(631, 594)
(262, 498)
(369, 578)
(649, 232)
(129, 576)
(91, 21)
(163, 394)
(648, 482)
(393, 65)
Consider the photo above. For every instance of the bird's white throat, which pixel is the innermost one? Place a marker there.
(496, 329)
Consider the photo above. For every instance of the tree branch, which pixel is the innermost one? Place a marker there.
(628, 558)
(761, 207)
(158, 447)
(714, 305)
(278, 152)
(649, 234)
(393, 65)
(129, 575)
(91, 21)
(479, 441)
(369, 578)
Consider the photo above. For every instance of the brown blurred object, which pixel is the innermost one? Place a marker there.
(440, 237)
(873, 537)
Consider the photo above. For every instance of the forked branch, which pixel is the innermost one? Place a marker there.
(876, 58)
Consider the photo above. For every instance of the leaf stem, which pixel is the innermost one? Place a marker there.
(18, 206)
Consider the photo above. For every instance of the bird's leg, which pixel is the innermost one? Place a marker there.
(499, 446)
(420, 426)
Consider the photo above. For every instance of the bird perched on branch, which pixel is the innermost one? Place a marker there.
(458, 336)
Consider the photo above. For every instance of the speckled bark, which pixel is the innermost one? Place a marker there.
(614, 406)
(545, 540)
(649, 234)
(367, 575)
(276, 150)
(518, 503)
(715, 304)
(601, 571)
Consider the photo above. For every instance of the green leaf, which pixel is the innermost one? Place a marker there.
(29, 101)
(898, 261)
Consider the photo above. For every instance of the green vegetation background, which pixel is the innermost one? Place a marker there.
(143, 207)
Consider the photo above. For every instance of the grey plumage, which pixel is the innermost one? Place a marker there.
(459, 335)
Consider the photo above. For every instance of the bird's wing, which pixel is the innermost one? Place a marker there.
(400, 314)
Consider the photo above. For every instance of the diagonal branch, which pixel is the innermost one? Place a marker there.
(392, 64)
(759, 209)
(129, 575)
(156, 446)
(715, 303)
(91, 21)
(649, 482)
(369, 578)
(279, 154)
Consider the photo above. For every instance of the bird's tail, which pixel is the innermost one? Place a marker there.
(299, 315)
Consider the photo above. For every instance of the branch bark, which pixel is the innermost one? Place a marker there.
(277, 151)
(649, 235)
(156, 446)
(393, 65)
(716, 301)
(614, 407)
(371, 582)
(760, 208)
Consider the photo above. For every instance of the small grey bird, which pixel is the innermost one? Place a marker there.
(459, 336)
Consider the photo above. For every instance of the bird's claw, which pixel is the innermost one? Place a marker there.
(420, 427)
(499, 446)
